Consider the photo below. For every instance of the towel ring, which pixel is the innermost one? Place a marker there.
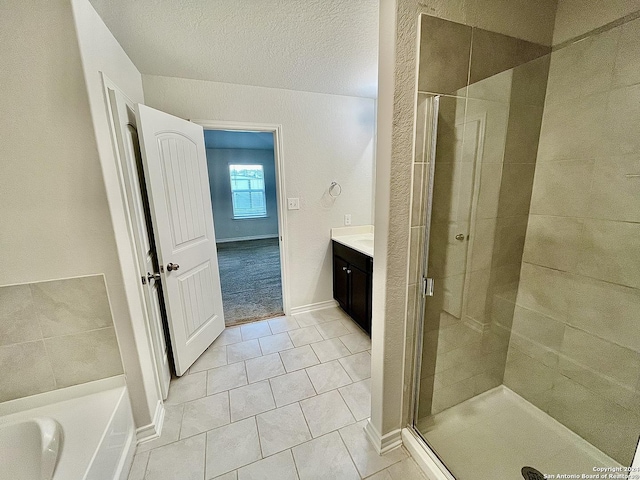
(332, 187)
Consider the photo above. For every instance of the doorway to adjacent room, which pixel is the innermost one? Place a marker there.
(243, 177)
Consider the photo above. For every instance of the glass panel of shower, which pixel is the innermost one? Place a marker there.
(528, 350)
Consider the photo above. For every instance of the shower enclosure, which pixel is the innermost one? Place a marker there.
(525, 251)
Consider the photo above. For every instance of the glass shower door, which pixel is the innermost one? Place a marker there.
(525, 355)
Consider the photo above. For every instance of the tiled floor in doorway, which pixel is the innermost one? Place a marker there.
(280, 399)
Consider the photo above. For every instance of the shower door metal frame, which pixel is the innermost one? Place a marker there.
(431, 123)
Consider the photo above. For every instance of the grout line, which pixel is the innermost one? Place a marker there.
(255, 419)
(182, 420)
(295, 464)
(312, 385)
(146, 465)
(348, 452)
(347, 403)
(49, 362)
(581, 275)
(273, 397)
(597, 219)
(246, 375)
(597, 31)
(466, 87)
(306, 422)
(206, 444)
(173, 441)
(78, 333)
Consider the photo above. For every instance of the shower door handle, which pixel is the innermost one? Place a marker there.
(427, 287)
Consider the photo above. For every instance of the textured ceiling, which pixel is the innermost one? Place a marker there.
(326, 46)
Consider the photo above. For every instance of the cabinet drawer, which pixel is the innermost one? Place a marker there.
(355, 258)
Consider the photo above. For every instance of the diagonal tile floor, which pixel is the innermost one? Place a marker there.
(285, 398)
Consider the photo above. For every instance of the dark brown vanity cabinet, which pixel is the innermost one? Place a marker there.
(352, 273)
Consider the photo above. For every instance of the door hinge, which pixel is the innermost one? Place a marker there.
(427, 287)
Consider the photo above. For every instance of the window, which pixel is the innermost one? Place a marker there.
(247, 191)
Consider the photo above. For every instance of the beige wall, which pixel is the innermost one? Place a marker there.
(100, 52)
(575, 343)
(325, 138)
(55, 217)
(522, 19)
(53, 203)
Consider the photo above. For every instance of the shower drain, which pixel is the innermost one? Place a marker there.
(530, 473)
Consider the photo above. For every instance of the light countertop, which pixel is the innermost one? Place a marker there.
(359, 238)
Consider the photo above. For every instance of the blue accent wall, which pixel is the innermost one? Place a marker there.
(225, 148)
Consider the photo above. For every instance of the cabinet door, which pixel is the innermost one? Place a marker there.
(360, 294)
(341, 282)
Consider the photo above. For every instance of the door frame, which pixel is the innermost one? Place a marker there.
(133, 232)
(276, 129)
(481, 118)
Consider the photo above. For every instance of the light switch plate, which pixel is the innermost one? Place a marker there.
(293, 203)
(347, 219)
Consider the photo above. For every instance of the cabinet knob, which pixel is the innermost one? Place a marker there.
(344, 269)
(348, 271)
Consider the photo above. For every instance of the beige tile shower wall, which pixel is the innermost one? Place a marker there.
(55, 334)
(577, 17)
(532, 21)
(575, 343)
(487, 139)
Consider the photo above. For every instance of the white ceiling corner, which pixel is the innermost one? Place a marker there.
(325, 46)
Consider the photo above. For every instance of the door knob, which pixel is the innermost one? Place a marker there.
(172, 266)
(460, 236)
(153, 276)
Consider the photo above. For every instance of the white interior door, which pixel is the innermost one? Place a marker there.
(125, 126)
(175, 166)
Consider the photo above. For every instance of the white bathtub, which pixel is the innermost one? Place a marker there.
(97, 430)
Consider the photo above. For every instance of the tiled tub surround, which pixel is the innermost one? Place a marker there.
(55, 334)
(285, 398)
(575, 341)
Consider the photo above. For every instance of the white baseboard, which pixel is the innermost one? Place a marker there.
(240, 239)
(424, 457)
(383, 443)
(154, 429)
(313, 307)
